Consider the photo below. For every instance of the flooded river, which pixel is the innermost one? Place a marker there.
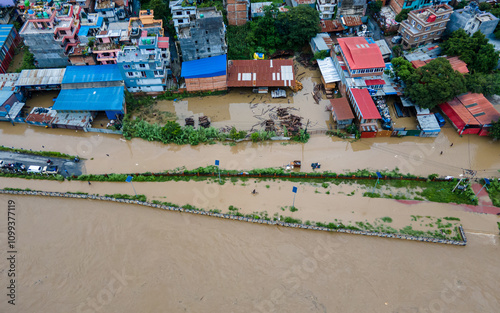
(410, 154)
(88, 256)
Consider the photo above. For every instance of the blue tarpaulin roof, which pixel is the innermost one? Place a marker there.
(84, 30)
(207, 67)
(91, 74)
(90, 99)
(5, 95)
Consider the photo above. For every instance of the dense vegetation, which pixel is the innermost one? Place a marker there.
(495, 130)
(431, 84)
(274, 31)
(28, 61)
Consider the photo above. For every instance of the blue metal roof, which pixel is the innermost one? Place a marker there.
(84, 30)
(207, 67)
(90, 99)
(91, 74)
(4, 33)
(5, 95)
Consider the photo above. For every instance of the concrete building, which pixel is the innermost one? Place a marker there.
(261, 73)
(310, 3)
(50, 33)
(82, 55)
(399, 5)
(203, 37)
(365, 109)
(182, 13)
(257, 9)
(146, 22)
(146, 68)
(9, 39)
(341, 112)
(8, 13)
(108, 42)
(322, 42)
(471, 19)
(111, 10)
(90, 25)
(326, 9)
(425, 25)
(360, 60)
(237, 11)
(352, 7)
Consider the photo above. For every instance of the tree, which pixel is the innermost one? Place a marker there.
(375, 6)
(434, 83)
(494, 131)
(487, 84)
(298, 26)
(402, 68)
(28, 61)
(403, 15)
(484, 6)
(159, 8)
(475, 51)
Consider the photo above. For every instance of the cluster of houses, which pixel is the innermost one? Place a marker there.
(95, 49)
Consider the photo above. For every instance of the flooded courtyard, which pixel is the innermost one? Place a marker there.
(89, 256)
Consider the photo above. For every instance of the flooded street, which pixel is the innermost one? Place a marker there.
(90, 256)
(420, 156)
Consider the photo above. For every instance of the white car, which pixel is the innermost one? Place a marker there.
(35, 169)
(1, 163)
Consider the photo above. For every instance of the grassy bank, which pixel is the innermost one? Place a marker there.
(52, 154)
(494, 192)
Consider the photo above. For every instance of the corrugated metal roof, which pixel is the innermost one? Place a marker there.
(360, 53)
(6, 30)
(428, 123)
(479, 107)
(383, 46)
(329, 26)
(8, 81)
(37, 117)
(260, 73)
(322, 41)
(342, 109)
(207, 67)
(50, 76)
(90, 99)
(351, 20)
(163, 42)
(5, 95)
(328, 70)
(373, 82)
(458, 113)
(92, 74)
(365, 104)
(455, 62)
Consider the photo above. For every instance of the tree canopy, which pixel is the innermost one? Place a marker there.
(495, 130)
(429, 85)
(275, 30)
(487, 84)
(474, 50)
(403, 15)
(375, 6)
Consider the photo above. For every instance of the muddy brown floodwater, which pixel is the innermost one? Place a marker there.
(88, 256)
(420, 156)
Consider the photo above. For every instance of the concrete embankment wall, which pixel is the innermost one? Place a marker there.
(462, 242)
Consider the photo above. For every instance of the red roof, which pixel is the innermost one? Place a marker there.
(163, 42)
(260, 73)
(479, 107)
(372, 82)
(342, 109)
(329, 26)
(455, 62)
(360, 54)
(365, 104)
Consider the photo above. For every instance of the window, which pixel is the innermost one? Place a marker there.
(439, 32)
(179, 13)
(143, 74)
(446, 16)
(402, 31)
(417, 38)
(206, 32)
(427, 28)
(413, 23)
(441, 25)
(419, 27)
(197, 50)
(130, 74)
(126, 67)
(208, 49)
(208, 41)
(142, 65)
(195, 42)
(407, 36)
(62, 32)
(424, 36)
(433, 33)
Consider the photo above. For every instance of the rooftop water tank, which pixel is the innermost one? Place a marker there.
(45, 15)
(30, 11)
(201, 15)
(27, 3)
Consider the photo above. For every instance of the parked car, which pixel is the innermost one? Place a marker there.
(35, 169)
(396, 39)
(50, 169)
(1, 164)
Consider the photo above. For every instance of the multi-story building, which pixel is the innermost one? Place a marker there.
(8, 43)
(90, 26)
(82, 55)
(146, 68)
(182, 13)
(399, 5)
(50, 33)
(326, 8)
(109, 40)
(237, 11)
(424, 25)
(471, 19)
(111, 10)
(351, 7)
(146, 22)
(204, 37)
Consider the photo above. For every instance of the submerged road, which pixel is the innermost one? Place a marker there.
(66, 167)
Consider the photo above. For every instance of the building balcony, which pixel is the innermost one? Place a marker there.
(101, 47)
